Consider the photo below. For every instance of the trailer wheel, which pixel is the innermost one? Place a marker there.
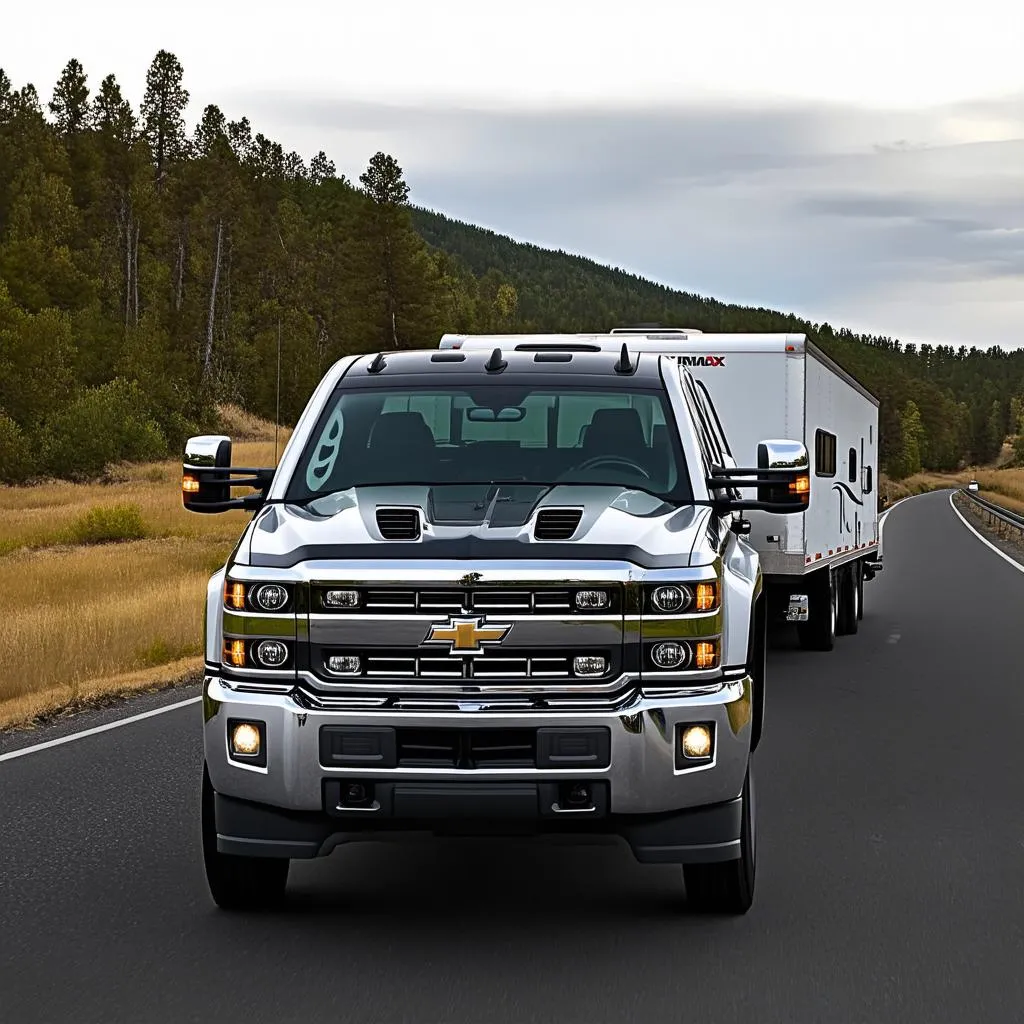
(818, 633)
(849, 603)
(858, 571)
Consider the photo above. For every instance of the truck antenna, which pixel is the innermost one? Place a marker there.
(495, 363)
(277, 414)
(624, 365)
(378, 364)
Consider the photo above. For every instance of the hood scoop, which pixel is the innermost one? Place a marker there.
(557, 523)
(399, 523)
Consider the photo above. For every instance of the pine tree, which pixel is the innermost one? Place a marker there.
(321, 169)
(163, 113)
(70, 104)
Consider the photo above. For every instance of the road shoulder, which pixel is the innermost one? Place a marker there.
(117, 708)
(1012, 549)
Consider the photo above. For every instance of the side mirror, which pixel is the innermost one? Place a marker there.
(794, 486)
(206, 479)
(782, 479)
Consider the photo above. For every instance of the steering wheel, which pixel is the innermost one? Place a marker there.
(597, 460)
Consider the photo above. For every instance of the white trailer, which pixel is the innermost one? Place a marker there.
(779, 385)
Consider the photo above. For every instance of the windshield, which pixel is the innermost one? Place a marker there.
(492, 434)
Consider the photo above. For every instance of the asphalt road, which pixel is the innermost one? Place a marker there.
(889, 878)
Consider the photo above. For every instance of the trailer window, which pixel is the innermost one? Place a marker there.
(824, 453)
(867, 480)
(853, 465)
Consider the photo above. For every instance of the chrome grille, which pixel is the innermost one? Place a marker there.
(410, 665)
(432, 601)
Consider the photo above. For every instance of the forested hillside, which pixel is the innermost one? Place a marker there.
(148, 269)
(940, 406)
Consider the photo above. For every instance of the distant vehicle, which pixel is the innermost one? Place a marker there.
(974, 486)
(774, 385)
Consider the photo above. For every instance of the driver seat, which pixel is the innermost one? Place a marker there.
(615, 433)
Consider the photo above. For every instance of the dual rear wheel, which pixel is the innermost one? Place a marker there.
(836, 606)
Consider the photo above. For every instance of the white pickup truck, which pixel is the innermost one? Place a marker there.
(490, 593)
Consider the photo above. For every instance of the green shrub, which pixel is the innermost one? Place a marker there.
(108, 523)
(102, 425)
(15, 453)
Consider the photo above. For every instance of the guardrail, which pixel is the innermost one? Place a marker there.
(997, 518)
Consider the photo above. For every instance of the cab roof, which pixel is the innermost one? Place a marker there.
(480, 366)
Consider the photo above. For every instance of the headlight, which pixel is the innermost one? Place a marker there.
(671, 599)
(257, 597)
(269, 597)
(260, 654)
(683, 598)
(681, 655)
(670, 655)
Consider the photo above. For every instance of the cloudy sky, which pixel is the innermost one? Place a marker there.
(864, 168)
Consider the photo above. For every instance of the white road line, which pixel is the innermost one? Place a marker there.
(984, 540)
(99, 728)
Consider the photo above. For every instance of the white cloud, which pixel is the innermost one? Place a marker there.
(880, 53)
(861, 165)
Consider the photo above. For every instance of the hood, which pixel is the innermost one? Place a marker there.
(481, 522)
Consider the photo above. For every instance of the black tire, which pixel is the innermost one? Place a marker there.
(728, 887)
(849, 601)
(239, 883)
(858, 571)
(818, 633)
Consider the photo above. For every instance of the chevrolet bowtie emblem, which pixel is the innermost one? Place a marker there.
(467, 635)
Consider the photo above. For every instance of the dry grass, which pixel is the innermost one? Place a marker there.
(1004, 486)
(81, 621)
(35, 708)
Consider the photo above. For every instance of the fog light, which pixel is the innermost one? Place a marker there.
(589, 665)
(341, 598)
(670, 655)
(587, 599)
(671, 599)
(245, 740)
(270, 597)
(344, 664)
(271, 653)
(696, 742)
(234, 653)
(707, 654)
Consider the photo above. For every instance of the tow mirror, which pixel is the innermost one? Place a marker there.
(782, 478)
(207, 477)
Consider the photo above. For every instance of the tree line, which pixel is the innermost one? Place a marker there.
(149, 271)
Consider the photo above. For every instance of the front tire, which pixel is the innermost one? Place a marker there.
(239, 883)
(728, 887)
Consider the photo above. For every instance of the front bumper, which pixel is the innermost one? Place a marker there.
(667, 812)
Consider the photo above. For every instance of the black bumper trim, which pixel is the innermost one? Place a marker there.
(694, 835)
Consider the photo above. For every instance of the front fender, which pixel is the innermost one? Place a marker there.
(213, 631)
(741, 587)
